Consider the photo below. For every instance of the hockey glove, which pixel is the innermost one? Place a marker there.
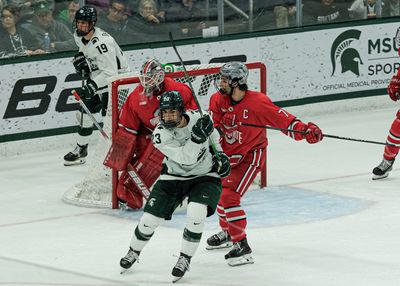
(202, 129)
(313, 133)
(393, 88)
(221, 164)
(89, 89)
(81, 65)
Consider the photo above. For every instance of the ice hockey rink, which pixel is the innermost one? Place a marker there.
(320, 221)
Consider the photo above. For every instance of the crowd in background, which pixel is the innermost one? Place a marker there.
(31, 27)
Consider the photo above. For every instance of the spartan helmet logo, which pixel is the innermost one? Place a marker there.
(349, 57)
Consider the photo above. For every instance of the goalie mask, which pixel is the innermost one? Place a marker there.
(171, 109)
(85, 14)
(151, 77)
(234, 74)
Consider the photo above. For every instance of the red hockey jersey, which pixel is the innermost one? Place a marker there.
(254, 108)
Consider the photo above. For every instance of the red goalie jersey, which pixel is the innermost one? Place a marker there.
(255, 108)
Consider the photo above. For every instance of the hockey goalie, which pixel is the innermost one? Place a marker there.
(131, 147)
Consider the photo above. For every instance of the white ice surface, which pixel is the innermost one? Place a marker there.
(321, 221)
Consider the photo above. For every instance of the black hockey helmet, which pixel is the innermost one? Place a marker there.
(87, 14)
(171, 100)
(235, 73)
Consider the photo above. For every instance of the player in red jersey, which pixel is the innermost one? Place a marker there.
(390, 152)
(231, 105)
(138, 117)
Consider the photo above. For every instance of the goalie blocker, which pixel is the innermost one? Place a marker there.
(147, 164)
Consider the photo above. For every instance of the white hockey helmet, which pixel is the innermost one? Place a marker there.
(152, 76)
(235, 73)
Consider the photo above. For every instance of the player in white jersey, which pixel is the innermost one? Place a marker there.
(99, 58)
(190, 169)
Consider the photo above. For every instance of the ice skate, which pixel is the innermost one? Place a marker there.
(240, 254)
(181, 267)
(127, 261)
(383, 169)
(76, 157)
(219, 240)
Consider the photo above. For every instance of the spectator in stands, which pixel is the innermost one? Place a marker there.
(363, 9)
(357, 10)
(274, 14)
(393, 7)
(115, 22)
(146, 25)
(25, 9)
(188, 16)
(100, 5)
(324, 11)
(61, 39)
(67, 15)
(15, 41)
(267, 15)
(372, 9)
(285, 13)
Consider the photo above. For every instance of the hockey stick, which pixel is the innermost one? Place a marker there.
(325, 135)
(171, 39)
(212, 143)
(79, 99)
(130, 169)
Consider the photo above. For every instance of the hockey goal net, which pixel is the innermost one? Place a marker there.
(97, 189)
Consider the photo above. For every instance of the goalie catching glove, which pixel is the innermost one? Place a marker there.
(221, 164)
(202, 129)
(393, 88)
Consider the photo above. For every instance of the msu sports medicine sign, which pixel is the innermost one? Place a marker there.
(360, 59)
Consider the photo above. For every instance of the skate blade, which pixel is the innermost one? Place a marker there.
(222, 246)
(237, 261)
(176, 279)
(123, 270)
(73, 163)
(376, 177)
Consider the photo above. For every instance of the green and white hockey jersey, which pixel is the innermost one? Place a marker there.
(184, 159)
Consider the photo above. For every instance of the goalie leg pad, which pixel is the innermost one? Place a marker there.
(121, 150)
(149, 164)
(129, 192)
(148, 168)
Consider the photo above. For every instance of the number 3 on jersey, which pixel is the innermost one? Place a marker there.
(102, 48)
(156, 138)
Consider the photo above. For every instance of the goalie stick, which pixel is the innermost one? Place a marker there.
(130, 169)
(325, 135)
